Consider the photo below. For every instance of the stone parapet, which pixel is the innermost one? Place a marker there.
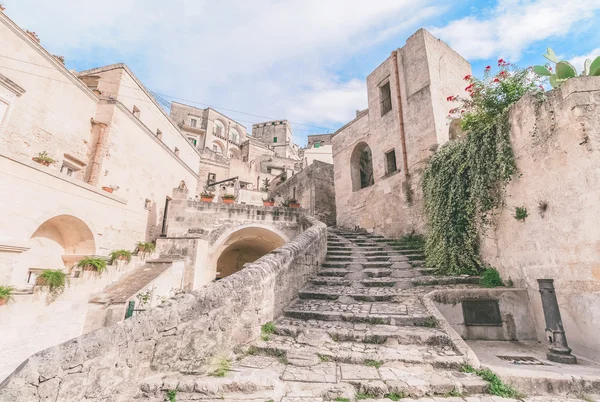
(184, 334)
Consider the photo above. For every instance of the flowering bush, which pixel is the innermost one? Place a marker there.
(463, 181)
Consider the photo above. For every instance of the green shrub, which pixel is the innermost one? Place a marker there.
(6, 293)
(171, 395)
(146, 247)
(464, 180)
(120, 255)
(496, 386)
(228, 197)
(395, 396)
(411, 240)
(490, 278)
(93, 264)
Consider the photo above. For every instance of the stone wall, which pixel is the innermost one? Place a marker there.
(392, 206)
(514, 306)
(314, 190)
(183, 335)
(557, 150)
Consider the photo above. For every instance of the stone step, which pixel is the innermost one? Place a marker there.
(408, 313)
(382, 293)
(362, 332)
(445, 280)
(316, 347)
(369, 264)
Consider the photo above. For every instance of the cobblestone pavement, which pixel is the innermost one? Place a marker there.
(358, 331)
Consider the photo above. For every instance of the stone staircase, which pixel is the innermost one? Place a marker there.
(357, 330)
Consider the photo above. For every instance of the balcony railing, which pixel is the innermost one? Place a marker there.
(386, 105)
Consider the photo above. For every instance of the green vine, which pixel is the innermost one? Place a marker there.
(464, 181)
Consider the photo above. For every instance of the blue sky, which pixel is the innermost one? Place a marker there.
(302, 60)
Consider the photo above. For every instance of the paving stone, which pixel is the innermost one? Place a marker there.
(357, 372)
(323, 372)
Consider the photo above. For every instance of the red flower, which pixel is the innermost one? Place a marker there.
(451, 98)
(467, 77)
(469, 88)
(488, 68)
(549, 68)
(462, 111)
(541, 87)
(502, 73)
(496, 80)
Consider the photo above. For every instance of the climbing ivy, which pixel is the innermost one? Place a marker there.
(463, 182)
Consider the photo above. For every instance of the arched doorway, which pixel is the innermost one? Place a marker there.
(361, 167)
(57, 243)
(244, 246)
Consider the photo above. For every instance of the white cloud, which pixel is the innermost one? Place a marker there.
(513, 25)
(268, 57)
(579, 60)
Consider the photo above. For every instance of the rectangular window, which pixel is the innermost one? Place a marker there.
(385, 95)
(159, 134)
(317, 144)
(193, 140)
(136, 111)
(176, 151)
(147, 204)
(212, 177)
(65, 169)
(274, 139)
(390, 161)
(193, 123)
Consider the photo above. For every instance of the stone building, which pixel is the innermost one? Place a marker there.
(113, 157)
(319, 147)
(277, 134)
(378, 157)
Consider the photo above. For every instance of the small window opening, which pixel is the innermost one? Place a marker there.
(159, 134)
(148, 204)
(274, 139)
(193, 122)
(136, 111)
(385, 95)
(193, 140)
(317, 144)
(176, 151)
(390, 162)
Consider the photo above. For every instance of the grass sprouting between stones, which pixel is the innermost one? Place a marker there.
(496, 386)
(395, 396)
(373, 363)
(224, 367)
(267, 330)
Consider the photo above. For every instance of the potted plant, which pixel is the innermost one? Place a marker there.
(269, 202)
(228, 198)
(145, 247)
(6, 294)
(294, 203)
(43, 159)
(266, 185)
(207, 196)
(110, 189)
(54, 280)
(120, 255)
(93, 264)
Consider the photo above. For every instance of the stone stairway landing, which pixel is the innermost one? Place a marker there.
(358, 327)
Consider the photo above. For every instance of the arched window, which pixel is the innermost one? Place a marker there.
(361, 167)
(218, 147)
(219, 128)
(233, 134)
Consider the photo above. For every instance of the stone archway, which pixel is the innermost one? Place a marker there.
(361, 167)
(56, 244)
(244, 246)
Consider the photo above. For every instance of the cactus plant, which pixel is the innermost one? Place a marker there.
(565, 70)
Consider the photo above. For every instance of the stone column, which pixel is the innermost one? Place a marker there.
(560, 351)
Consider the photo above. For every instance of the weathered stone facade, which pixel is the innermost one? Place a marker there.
(557, 151)
(314, 190)
(183, 335)
(428, 71)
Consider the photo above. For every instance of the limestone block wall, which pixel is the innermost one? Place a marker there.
(181, 335)
(557, 150)
(314, 190)
(514, 306)
(35, 325)
(393, 205)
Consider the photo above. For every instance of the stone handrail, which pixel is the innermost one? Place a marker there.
(184, 335)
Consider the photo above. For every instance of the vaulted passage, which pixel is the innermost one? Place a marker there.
(244, 246)
(361, 165)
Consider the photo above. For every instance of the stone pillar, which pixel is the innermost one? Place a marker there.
(559, 349)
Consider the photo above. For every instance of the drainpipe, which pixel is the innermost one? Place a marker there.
(98, 151)
(400, 115)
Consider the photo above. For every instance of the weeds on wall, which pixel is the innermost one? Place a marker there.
(412, 240)
(464, 181)
(490, 278)
(496, 386)
(521, 214)
(171, 395)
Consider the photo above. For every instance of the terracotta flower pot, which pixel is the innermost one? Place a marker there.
(141, 248)
(206, 199)
(229, 201)
(122, 257)
(294, 205)
(2, 302)
(268, 203)
(41, 162)
(108, 189)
